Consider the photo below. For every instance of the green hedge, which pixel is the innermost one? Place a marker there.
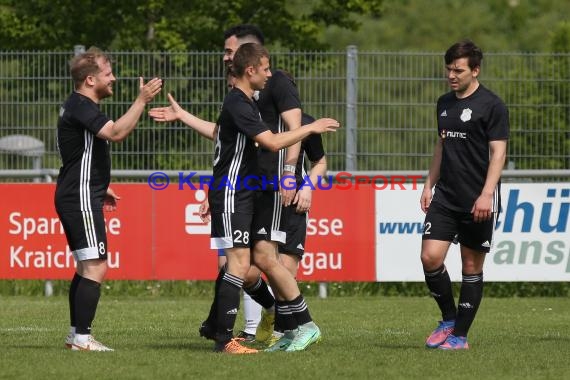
(334, 289)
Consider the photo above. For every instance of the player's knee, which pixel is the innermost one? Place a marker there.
(266, 263)
(94, 270)
(430, 261)
(251, 279)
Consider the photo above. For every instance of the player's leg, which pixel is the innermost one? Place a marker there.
(475, 240)
(286, 325)
(266, 226)
(259, 303)
(208, 327)
(281, 280)
(71, 299)
(252, 317)
(256, 287)
(256, 293)
(85, 232)
(232, 232)
(86, 301)
(69, 222)
(290, 255)
(440, 228)
(469, 298)
(269, 232)
(471, 291)
(228, 296)
(259, 306)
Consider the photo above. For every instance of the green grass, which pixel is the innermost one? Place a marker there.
(363, 338)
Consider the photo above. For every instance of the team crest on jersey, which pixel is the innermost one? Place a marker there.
(466, 115)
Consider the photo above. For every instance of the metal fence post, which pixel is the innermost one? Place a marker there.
(323, 290)
(351, 138)
(351, 99)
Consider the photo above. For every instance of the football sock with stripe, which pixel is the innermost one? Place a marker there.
(469, 300)
(439, 284)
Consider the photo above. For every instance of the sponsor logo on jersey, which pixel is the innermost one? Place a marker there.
(452, 134)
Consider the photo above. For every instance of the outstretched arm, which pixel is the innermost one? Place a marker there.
(175, 112)
(117, 131)
(276, 141)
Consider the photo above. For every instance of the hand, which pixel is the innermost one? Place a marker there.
(482, 208)
(324, 125)
(425, 199)
(287, 188)
(303, 199)
(165, 114)
(204, 212)
(110, 201)
(148, 91)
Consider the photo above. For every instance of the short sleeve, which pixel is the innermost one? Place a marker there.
(498, 123)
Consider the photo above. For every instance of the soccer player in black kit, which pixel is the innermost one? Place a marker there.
(234, 202)
(82, 190)
(473, 129)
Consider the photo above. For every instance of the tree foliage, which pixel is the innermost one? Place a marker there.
(421, 25)
(169, 25)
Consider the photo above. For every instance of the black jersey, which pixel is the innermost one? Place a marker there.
(86, 162)
(279, 95)
(312, 145)
(466, 126)
(235, 156)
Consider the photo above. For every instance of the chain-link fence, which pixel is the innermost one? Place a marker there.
(384, 100)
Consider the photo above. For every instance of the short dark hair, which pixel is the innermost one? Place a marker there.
(85, 64)
(465, 49)
(248, 54)
(245, 30)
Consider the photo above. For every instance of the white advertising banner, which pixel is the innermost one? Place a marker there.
(531, 241)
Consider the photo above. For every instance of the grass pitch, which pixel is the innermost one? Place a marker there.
(363, 338)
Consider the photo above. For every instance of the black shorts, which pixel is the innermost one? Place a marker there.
(295, 226)
(267, 217)
(230, 230)
(444, 224)
(85, 232)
